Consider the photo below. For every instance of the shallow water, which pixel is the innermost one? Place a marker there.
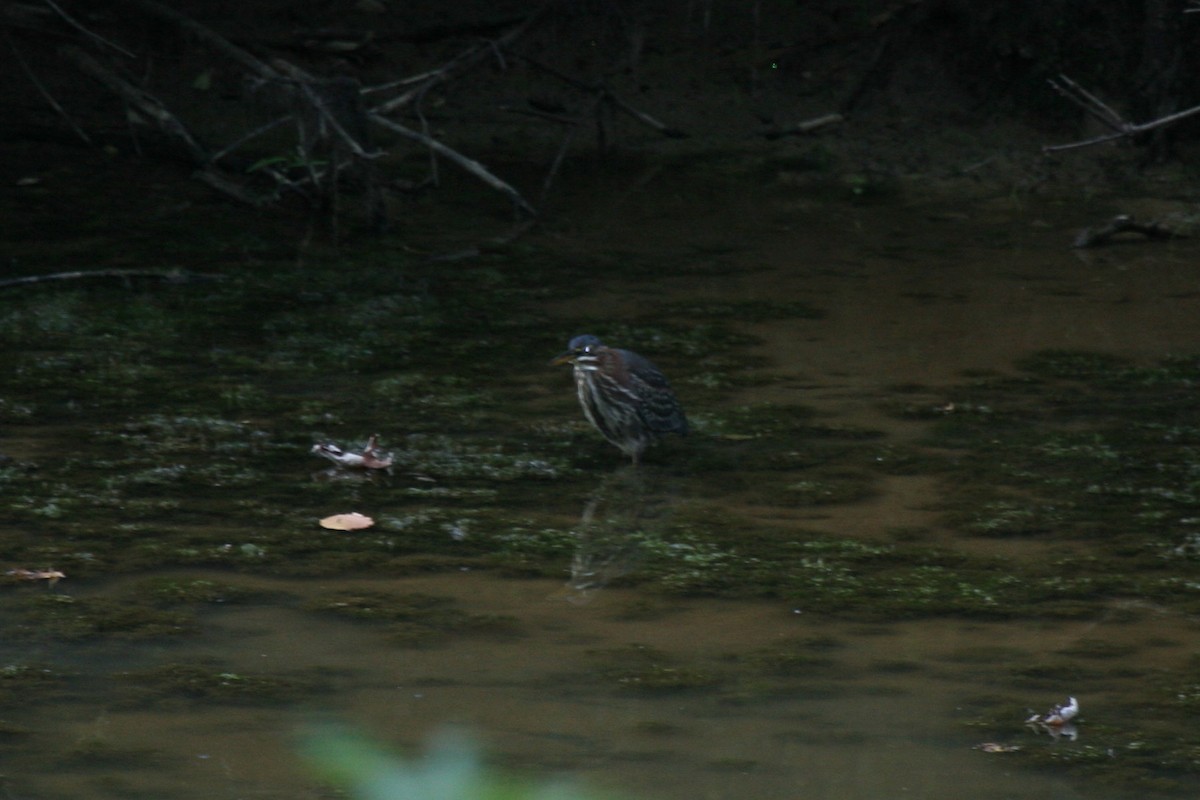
(880, 713)
(656, 689)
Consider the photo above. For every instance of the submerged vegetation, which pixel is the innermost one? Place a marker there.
(154, 434)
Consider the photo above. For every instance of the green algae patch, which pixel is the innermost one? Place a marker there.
(210, 684)
(742, 310)
(154, 431)
(1091, 448)
(447, 457)
(1096, 458)
(834, 487)
(414, 619)
(183, 591)
(1075, 364)
(28, 684)
(60, 616)
(1123, 746)
(775, 420)
(99, 751)
(148, 609)
(641, 668)
(802, 666)
(790, 658)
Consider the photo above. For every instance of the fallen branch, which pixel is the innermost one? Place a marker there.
(1095, 108)
(1124, 223)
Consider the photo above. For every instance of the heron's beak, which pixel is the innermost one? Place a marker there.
(563, 358)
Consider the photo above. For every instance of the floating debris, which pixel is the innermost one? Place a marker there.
(1058, 715)
(51, 576)
(347, 522)
(1058, 720)
(996, 747)
(371, 456)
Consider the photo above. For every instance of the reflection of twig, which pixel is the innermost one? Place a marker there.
(1095, 108)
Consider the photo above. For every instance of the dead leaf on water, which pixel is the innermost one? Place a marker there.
(347, 522)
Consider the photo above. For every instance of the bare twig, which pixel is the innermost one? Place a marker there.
(420, 77)
(470, 165)
(142, 101)
(572, 124)
(45, 93)
(206, 35)
(84, 30)
(539, 114)
(322, 95)
(1091, 104)
(461, 62)
(807, 126)
(259, 131)
(644, 118)
(164, 276)
(1108, 137)
(1094, 107)
(419, 110)
(552, 173)
(607, 98)
(237, 191)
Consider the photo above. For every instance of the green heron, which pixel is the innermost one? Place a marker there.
(623, 395)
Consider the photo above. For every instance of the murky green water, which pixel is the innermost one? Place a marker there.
(944, 474)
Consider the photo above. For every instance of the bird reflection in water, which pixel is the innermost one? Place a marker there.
(627, 509)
